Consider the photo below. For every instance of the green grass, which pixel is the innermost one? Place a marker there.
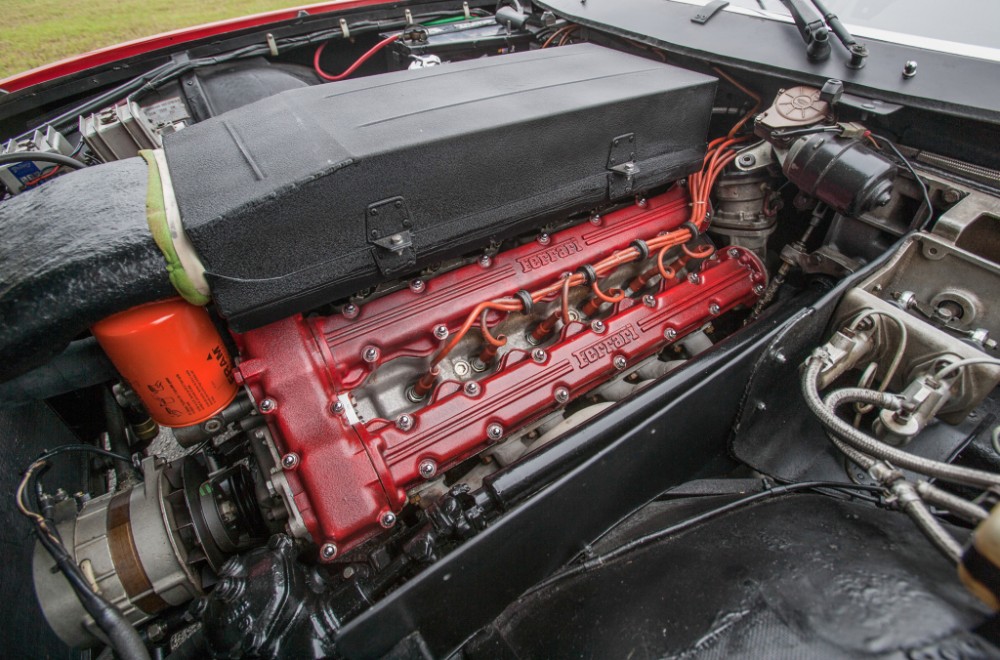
(36, 32)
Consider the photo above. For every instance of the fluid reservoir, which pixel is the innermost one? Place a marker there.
(173, 357)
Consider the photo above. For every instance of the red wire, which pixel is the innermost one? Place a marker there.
(354, 67)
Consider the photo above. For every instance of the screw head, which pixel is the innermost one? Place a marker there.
(404, 422)
(461, 368)
(620, 362)
(337, 408)
(290, 461)
(328, 551)
(758, 289)
(714, 309)
(212, 426)
(780, 357)
(561, 395)
(670, 333)
(417, 285)
(485, 261)
(595, 219)
(494, 431)
(388, 519)
(539, 355)
(910, 69)
(351, 311)
(441, 332)
(597, 326)
(472, 388)
(694, 278)
(649, 300)
(267, 405)
(371, 354)
(733, 252)
(641, 202)
(544, 239)
(427, 468)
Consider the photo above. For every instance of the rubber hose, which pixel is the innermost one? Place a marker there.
(41, 157)
(826, 412)
(915, 507)
(960, 507)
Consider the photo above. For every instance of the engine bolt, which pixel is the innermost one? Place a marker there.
(670, 333)
(649, 301)
(427, 468)
(212, 426)
(388, 519)
(641, 202)
(472, 388)
(758, 289)
(328, 551)
(714, 309)
(337, 408)
(485, 261)
(267, 405)
(494, 431)
(910, 69)
(290, 461)
(543, 239)
(597, 326)
(620, 362)
(461, 368)
(351, 311)
(733, 252)
(562, 395)
(441, 332)
(539, 355)
(404, 422)
(596, 219)
(417, 285)
(371, 354)
(694, 278)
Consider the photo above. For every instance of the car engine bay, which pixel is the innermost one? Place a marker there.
(405, 360)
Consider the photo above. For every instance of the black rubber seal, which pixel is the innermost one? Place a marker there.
(691, 227)
(525, 298)
(589, 274)
(641, 246)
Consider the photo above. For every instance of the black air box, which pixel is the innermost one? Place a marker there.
(313, 194)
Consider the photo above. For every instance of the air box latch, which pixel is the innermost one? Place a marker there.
(622, 166)
(388, 225)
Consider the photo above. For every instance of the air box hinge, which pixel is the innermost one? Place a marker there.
(622, 166)
(389, 228)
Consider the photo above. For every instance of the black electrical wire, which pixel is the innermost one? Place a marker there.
(920, 182)
(164, 73)
(62, 449)
(696, 520)
(41, 156)
(121, 634)
(811, 130)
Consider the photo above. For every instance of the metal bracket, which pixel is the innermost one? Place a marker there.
(621, 166)
(388, 226)
(706, 13)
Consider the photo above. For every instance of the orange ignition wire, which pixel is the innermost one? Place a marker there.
(703, 253)
(616, 295)
(426, 383)
(641, 280)
(488, 353)
(565, 301)
(498, 341)
(544, 329)
(756, 97)
(556, 34)
(502, 305)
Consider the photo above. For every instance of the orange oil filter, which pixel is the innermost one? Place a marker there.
(174, 359)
